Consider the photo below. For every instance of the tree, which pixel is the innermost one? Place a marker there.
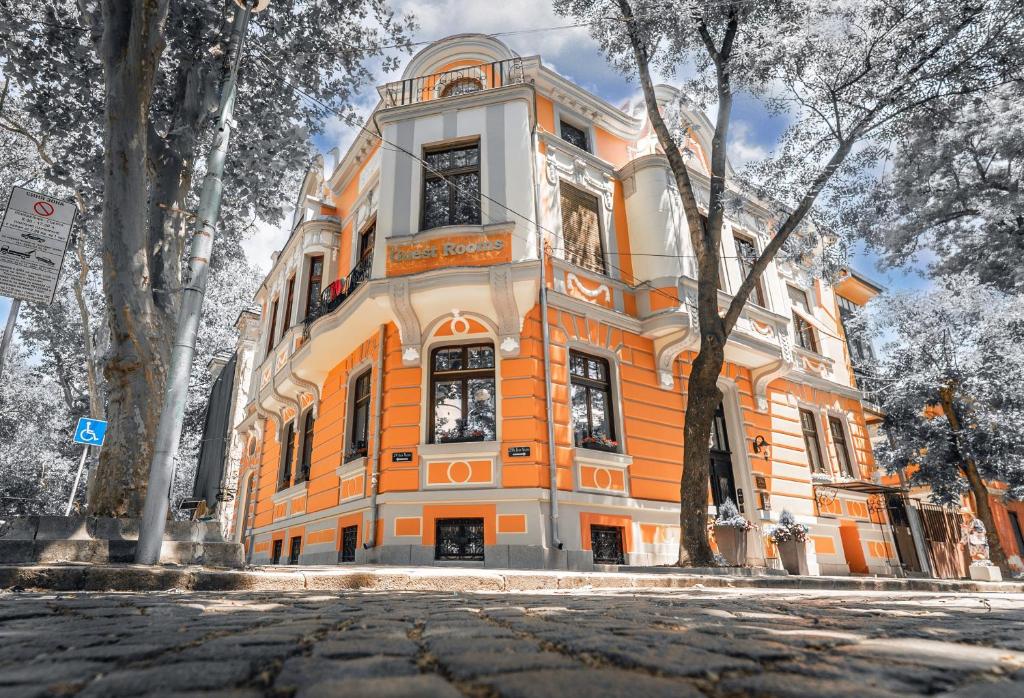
(132, 120)
(955, 187)
(951, 383)
(849, 75)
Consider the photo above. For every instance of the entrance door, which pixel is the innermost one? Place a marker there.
(723, 482)
(606, 542)
(942, 528)
(899, 522)
(459, 539)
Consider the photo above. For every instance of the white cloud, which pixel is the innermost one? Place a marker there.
(743, 147)
(266, 240)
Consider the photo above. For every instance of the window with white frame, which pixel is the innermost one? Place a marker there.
(840, 448)
(574, 135)
(284, 478)
(451, 186)
(802, 330)
(746, 255)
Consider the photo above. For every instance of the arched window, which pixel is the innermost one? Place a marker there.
(461, 86)
(307, 448)
(462, 392)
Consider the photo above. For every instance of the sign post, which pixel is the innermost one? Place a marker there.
(34, 236)
(89, 432)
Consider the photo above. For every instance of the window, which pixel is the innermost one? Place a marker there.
(842, 451)
(461, 86)
(275, 555)
(290, 299)
(366, 241)
(294, 550)
(591, 403)
(349, 543)
(812, 444)
(459, 539)
(273, 326)
(574, 135)
(746, 254)
(606, 542)
(861, 351)
(451, 187)
(463, 396)
(314, 283)
(287, 457)
(581, 228)
(802, 329)
(358, 440)
(306, 459)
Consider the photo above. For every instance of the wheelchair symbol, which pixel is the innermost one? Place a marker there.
(90, 431)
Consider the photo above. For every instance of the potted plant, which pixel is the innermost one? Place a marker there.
(600, 443)
(790, 538)
(730, 529)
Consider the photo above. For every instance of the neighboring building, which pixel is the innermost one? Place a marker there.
(940, 550)
(398, 409)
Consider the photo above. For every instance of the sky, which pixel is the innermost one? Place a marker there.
(571, 52)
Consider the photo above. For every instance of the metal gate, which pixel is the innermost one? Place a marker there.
(943, 528)
(459, 539)
(606, 542)
(349, 541)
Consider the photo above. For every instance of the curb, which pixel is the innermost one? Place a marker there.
(164, 578)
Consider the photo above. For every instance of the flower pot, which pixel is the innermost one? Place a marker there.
(732, 544)
(793, 555)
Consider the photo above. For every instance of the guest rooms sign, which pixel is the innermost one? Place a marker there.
(473, 250)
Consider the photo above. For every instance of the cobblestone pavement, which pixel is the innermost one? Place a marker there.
(590, 643)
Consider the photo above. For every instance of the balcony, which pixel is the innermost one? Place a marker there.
(452, 83)
(338, 292)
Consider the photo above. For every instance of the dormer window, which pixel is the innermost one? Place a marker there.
(574, 135)
(461, 86)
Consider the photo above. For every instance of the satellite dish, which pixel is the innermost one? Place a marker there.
(256, 5)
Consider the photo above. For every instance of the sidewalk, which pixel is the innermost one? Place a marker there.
(113, 577)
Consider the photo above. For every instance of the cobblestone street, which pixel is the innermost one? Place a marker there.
(583, 643)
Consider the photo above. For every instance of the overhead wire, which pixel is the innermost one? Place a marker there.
(527, 219)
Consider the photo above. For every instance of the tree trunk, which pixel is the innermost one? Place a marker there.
(703, 396)
(136, 363)
(977, 484)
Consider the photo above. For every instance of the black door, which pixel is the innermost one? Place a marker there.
(459, 539)
(294, 550)
(723, 484)
(606, 542)
(275, 556)
(349, 541)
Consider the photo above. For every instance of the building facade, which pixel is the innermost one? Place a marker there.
(401, 399)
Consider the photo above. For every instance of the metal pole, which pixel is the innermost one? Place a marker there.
(78, 477)
(12, 319)
(154, 512)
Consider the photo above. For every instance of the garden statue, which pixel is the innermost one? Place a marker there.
(977, 542)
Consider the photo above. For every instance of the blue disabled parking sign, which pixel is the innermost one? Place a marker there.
(90, 431)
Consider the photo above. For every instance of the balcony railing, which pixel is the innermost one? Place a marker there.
(453, 83)
(338, 292)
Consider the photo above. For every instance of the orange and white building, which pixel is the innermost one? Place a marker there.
(400, 406)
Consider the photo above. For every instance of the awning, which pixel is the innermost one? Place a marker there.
(859, 486)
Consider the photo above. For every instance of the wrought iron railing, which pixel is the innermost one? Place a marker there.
(453, 83)
(335, 295)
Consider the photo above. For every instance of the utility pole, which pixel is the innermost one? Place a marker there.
(154, 512)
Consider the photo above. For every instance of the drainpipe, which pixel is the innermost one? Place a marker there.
(375, 476)
(556, 541)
